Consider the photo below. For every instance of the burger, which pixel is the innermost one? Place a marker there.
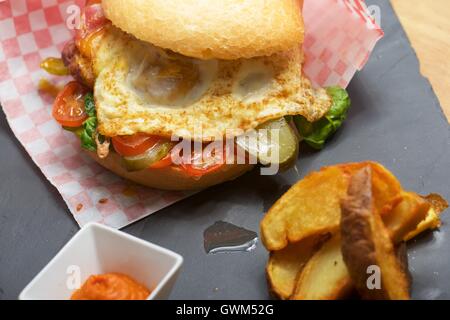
(170, 94)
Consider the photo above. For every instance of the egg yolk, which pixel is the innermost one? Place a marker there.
(167, 80)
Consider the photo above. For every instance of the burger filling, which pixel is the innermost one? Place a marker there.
(165, 78)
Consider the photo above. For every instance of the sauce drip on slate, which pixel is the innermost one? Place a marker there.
(226, 237)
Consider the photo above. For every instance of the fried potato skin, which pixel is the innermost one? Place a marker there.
(385, 186)
(406, 215)
(438, 203)
(432, 220)
(401, 251)
(366, 242)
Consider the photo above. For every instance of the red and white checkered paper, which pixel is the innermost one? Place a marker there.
(340, 36)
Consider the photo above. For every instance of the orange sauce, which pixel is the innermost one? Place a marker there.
(49, 88)
(129, 191)
(111, 286)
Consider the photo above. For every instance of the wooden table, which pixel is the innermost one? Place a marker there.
(427, 24)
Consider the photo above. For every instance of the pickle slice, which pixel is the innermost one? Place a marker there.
(145, 160)
(274, 142)
(55, 66)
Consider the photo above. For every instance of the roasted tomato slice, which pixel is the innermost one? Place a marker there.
(163, 163)
(134, 145)
(89, 2)
(202, 163)
(68, 108)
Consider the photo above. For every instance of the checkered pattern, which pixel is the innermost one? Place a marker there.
(340, 42)
(29, 32)
(336, 46)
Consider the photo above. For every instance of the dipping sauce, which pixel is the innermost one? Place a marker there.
(111, 286)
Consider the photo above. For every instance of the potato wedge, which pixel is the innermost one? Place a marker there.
(309, 210)
(405, 215)
(366, 243)
(408, 210)
(385, 186)
(401, 251)
(432, 220)
(325, 276)
(311, 207)
(284, 265)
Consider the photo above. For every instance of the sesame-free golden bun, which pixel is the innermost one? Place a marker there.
(172, 178)
(225, 29)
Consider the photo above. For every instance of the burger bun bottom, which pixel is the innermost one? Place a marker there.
(171, 178)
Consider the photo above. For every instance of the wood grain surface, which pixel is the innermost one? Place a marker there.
(427, 24)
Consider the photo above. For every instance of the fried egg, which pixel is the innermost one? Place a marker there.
(142, 88)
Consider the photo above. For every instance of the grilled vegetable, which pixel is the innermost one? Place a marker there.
(202, 163)
(69, 107)
(134, 145)
(146, 159)
(55, 66)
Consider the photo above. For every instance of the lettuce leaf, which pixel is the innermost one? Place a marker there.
(317, 133)
(89, 105)
(87, 135)
(89, 125)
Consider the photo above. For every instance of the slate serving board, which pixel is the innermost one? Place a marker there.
(395, 119)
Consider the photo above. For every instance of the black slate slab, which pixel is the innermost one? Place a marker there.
(395, 119)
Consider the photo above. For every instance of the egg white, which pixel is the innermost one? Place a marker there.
(228, 97)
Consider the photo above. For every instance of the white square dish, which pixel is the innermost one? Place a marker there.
(97, 249)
